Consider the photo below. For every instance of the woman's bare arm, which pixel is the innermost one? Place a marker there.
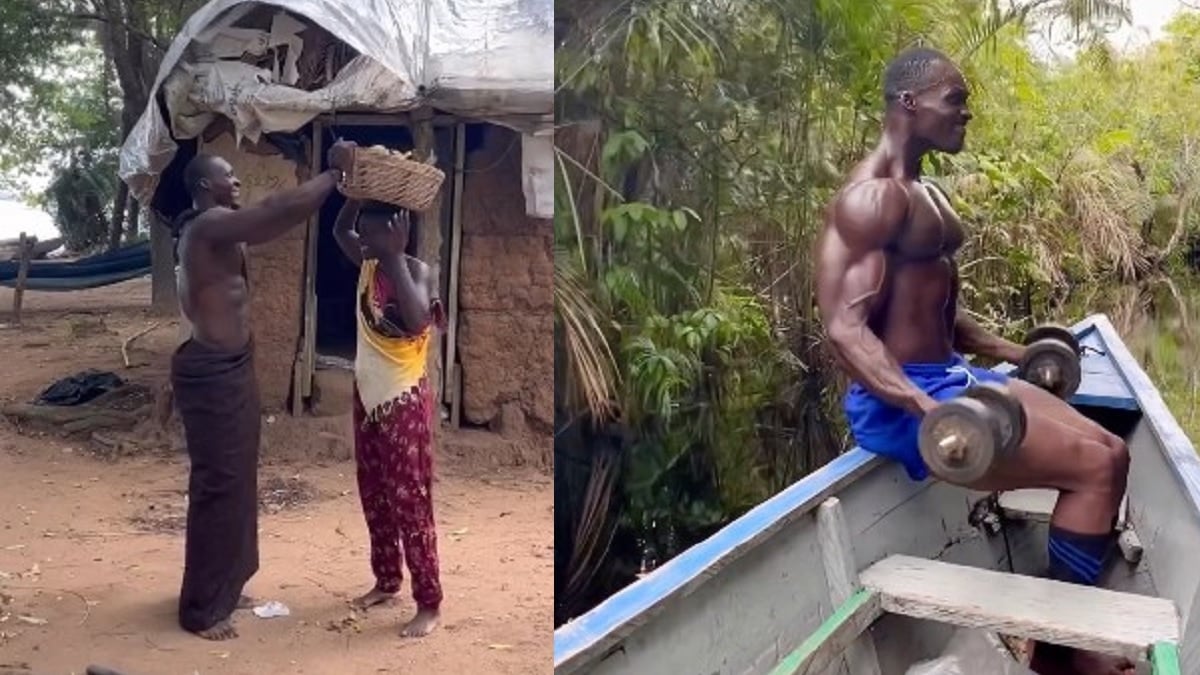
(344, 234)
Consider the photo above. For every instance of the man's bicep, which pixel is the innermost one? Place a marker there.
(851, 292)
(224, 226)
(231, 226)
(866, 220)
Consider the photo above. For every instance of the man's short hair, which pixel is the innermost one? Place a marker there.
(196, 170)
(909, 71)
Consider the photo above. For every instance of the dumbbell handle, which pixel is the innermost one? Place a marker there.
(1047, 375)
(953, 446)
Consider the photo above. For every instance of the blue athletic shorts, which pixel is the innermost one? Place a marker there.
(892, 432)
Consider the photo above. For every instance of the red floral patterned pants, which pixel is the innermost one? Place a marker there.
(395, 476)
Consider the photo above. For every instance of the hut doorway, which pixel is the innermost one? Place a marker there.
(329, 322)
(337, 277)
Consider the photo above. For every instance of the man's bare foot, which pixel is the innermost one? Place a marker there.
(371, 598)
(220, 632)
(422, 624)
(245, 602)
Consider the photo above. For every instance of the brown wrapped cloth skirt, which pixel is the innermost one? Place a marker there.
(217, 396)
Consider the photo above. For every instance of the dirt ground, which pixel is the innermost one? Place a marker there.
(91, 541)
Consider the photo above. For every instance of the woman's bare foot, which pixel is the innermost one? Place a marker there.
(422, 624)
(371, 598)
(223, 630)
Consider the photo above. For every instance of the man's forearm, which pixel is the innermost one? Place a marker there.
(270, 218)
(868, 362)
(972, 338)
(297, 203)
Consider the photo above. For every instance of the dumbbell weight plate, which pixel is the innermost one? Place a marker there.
(1053, 331)
(1053, 353)
(967, 424)
(1008, 412)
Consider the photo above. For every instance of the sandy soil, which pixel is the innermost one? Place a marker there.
(91, 542)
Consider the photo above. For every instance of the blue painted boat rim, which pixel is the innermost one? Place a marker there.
(612, 620)
(1177, 447)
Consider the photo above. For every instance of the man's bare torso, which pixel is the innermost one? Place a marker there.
(914, 310)
(213, 290)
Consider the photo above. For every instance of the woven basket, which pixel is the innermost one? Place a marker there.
(384, 175)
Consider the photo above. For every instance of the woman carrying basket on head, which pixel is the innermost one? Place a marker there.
(393, 404)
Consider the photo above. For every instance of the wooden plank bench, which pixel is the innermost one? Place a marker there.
(1141, 628)
(1095, 619)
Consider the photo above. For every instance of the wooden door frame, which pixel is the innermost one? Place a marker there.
(304, 366)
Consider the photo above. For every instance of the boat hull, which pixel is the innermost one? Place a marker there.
(739, 601)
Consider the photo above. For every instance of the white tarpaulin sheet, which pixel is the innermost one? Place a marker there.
(486, 59)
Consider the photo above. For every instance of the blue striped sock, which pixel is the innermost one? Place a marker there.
(1077, 558)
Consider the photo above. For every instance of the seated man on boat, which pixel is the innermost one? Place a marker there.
(888, 289)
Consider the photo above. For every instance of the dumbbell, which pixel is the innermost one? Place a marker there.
(1051, 360)
(961, 438)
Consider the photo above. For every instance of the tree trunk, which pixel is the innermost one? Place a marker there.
(134, 221)
(136, 63)
(116, 224)
(164, 297)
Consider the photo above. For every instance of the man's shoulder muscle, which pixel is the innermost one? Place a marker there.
(870, 213)
(202, 231)
(206, 220)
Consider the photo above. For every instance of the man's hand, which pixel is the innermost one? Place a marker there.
(1016, 353)
(341, 155)
(397, 234)
(972, 338)
(926, 404)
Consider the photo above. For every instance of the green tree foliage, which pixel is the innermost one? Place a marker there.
(77, 137)
(74, 76)
(698, 147)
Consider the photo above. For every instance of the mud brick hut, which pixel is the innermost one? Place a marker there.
(468, 83)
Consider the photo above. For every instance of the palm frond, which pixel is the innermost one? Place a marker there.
(590, 362)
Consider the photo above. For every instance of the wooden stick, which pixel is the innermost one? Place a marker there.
(455, 396)
(454, 393)
(823, 648)
(841, 575)
(26, 249)
(429, 240)
(305, 363)
(62, 415)
(129, 341)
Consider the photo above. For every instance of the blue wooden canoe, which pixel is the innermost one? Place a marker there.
(775, 592)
